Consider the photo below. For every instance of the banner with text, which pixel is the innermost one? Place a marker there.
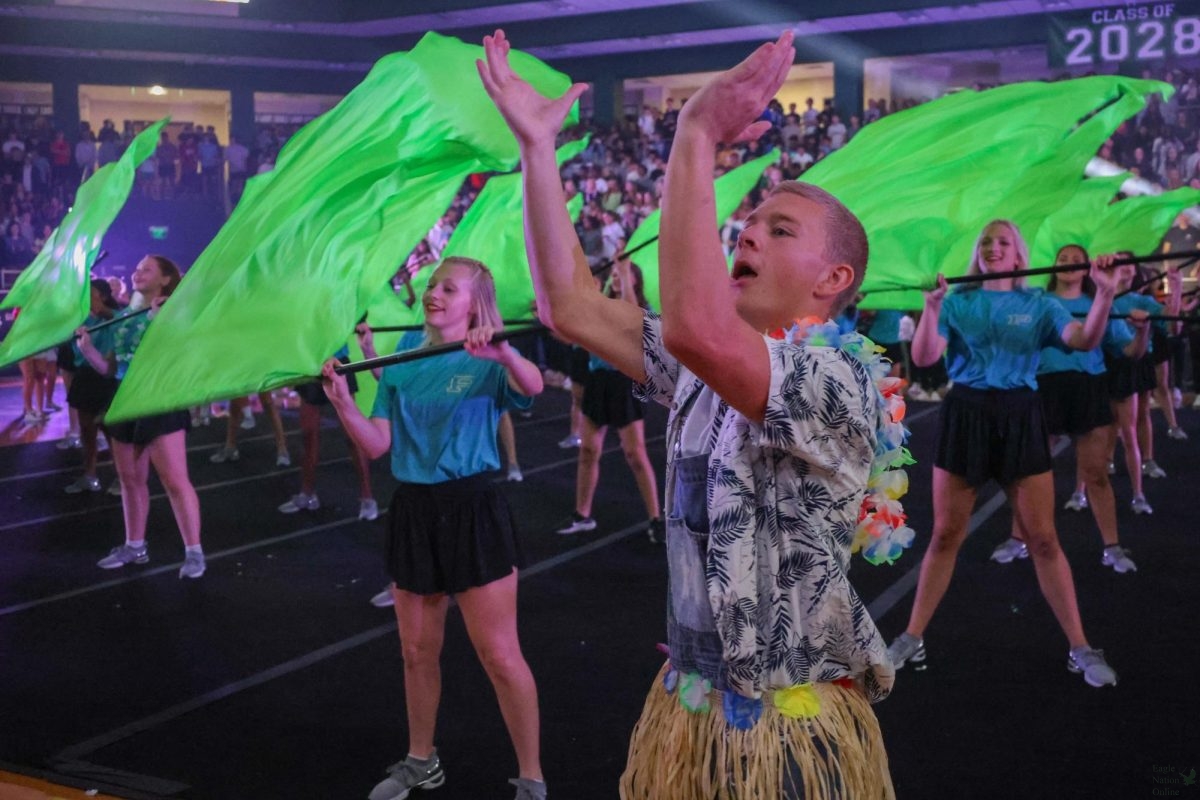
(1129, 34)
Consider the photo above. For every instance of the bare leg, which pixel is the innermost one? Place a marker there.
(310, 435)
(133, 470)
(587, 474)
(1033, 501)
(237, 408)
(268, 404)
(491, 615)
(169, 455)
(1092, 468)
(953, 499)
(1163, 393)
(421, 620)
(87, 440)
(1145, 433)
(1125, 425)
(633, 442)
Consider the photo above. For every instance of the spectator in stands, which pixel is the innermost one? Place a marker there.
(166, 153)
(212, 164)
(85, 154)
(18, 250)
(238, 158)
(108, 147)
(60, 158)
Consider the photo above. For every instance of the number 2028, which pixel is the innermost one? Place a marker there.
(1148, 41)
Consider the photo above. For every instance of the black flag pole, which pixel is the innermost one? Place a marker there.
(410, 328)
(429, 352)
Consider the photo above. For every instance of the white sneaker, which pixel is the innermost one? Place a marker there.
(301, 502)
(283, 459)
(1091, 664)
(247, 419)
(114, 488)
(571, 441)
(1078, 501)
(120, 556)
(101, 442)
(384, 599)
(1178, 434)
(1140, 506)
(83, 484)
(225, 454)
(514, 473)
(1118, 558)
(193, 565)
(1152, 470)
(71, 442)
(915, 392)
(368, 509)
(1010, 550)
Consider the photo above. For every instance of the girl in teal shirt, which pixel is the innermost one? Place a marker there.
(451, 531)
(992, 428)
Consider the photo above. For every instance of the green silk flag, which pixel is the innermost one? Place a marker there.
(1091, 219)
(492, 231)
(54, 291)
(925, 181)
(730, 189)
(313, 242)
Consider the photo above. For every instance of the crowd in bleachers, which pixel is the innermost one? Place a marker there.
(619, 175)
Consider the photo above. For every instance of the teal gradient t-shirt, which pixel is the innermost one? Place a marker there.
(994, 340)
(445, 411)
(1060, 358)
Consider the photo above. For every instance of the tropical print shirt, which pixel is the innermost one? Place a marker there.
(783, 500)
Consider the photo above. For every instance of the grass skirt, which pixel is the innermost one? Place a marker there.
(681, 755)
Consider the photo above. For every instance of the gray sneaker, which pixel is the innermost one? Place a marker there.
(1092, 665)
(409, 774)
(1078, 501)
(529, 789)
(1140, 506)
(1152, 470)
(1118, 558)
(906, 648)
(83, 484)
(120, 556)
(225, 454)
(301, 502)
(576, 524)
(193, 565)
(114, 488)
(1010, 550)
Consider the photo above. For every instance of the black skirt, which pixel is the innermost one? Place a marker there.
(1127, 376)
(997, 434)
(144, 430)
(577, 366)
(66, 357)
(1074, 402)
(314, 394)
(452, 536)
(608, 399)
(1160, 346)
(90, 391)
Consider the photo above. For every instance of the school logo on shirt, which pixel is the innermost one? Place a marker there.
(1020, 319)
(460, 383)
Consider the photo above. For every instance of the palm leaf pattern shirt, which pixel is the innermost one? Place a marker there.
(768, 584)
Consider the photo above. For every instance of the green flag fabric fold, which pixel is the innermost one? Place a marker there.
(1092, 220)
(53, 292)
(730, 189)
(925, 181)
(314, 241)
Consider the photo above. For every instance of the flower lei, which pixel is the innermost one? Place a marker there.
(882, 534)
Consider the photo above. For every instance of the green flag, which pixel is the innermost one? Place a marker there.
(731, 188)
(53, 292)
(926, 180)
(1092, 220)
(493, 231)
(314, 241)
